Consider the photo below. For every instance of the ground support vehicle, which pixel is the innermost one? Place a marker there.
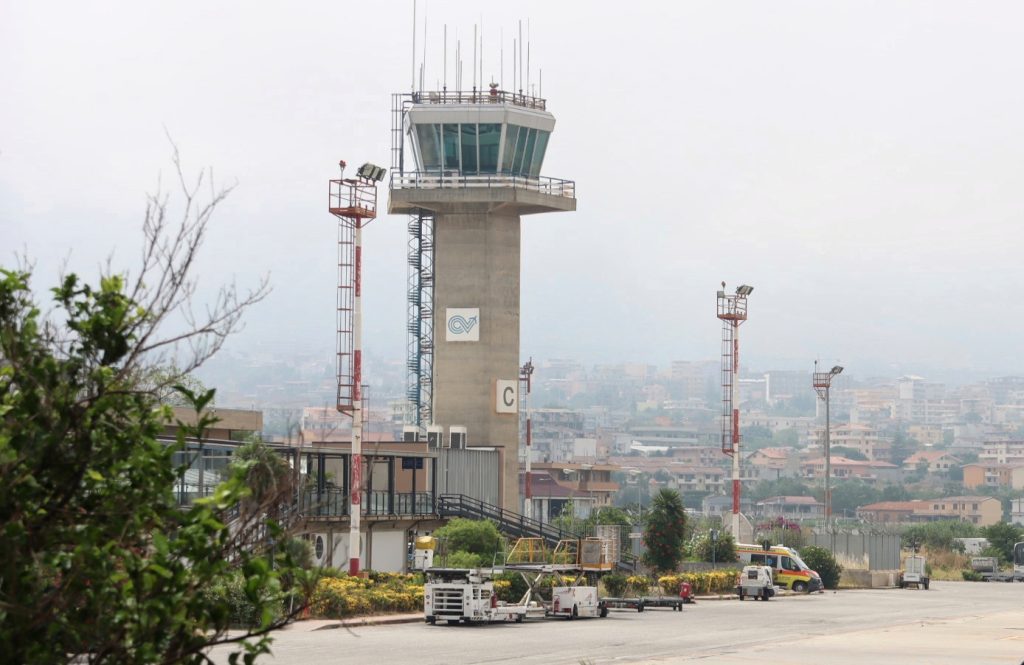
(570, 571)
(755, 582)
(466, 595)
(788, 570)
(1018, 562)
(914, 572)
(640, 604)
(988, 568)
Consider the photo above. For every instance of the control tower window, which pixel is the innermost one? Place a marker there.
(468, 149)
(451, 148)
(430, 146)
(490, 137)
(538, 152)
(511, 136)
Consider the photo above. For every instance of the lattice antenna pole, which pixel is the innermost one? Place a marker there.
(732, 310)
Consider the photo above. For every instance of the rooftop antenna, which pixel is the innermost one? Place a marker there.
(514, 79)
(481, 54)
(474, 59)
(527, 54)
(445, 88)
(501, 49)
(423, 66)
(520, 86)
(540, 93)
(413, 46)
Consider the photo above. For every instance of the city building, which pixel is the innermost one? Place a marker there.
(791, 507)
(934, 461)
(994, 475)
(843, 468)
(979, 510)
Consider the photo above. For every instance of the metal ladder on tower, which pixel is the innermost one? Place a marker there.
(728, 376)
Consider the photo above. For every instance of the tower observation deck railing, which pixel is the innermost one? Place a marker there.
(479, 97)
(455, 180)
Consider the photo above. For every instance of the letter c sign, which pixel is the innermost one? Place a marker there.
(506, 396)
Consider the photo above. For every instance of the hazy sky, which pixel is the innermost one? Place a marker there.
(859, 163)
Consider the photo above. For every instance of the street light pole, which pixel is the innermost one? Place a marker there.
(823, 386)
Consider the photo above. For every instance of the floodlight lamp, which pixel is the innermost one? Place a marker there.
(371, 172)
(744, 290)
(836, 370)
(568, 472)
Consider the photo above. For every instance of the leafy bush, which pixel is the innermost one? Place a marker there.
(822, 562)
(1001, 538)
(474, 536)
(722, 550)
(715, 581)
(615, 584)
(939, 535)
(972, 576)
(463, 559)
(513, 587)
(230, 594)
(345, 596)
(638, 585)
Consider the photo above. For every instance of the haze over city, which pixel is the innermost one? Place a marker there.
(858, 163)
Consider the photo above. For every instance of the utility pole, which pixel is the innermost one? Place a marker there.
(525, 374)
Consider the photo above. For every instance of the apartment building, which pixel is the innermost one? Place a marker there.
(935, 461)
(979, 510)
(994, 475)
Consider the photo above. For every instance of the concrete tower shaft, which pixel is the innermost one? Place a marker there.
(478, 159)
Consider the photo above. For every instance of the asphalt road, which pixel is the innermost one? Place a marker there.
(953, 622)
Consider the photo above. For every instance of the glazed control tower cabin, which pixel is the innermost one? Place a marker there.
(478, 158)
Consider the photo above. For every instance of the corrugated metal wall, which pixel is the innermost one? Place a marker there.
(475, 473)
(860, 551)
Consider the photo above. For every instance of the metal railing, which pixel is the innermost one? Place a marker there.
(514, 524)
(329, 502)
(492, 96)
(334, 502)
(400, 503)
(455, 180)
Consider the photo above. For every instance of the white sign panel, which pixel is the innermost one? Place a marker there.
(462, 324)
(506, 396)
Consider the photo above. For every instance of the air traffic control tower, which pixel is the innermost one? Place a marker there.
(466, 168)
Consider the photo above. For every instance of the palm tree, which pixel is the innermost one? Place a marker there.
(666, 523)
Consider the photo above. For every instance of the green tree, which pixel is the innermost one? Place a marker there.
(96, 556)
(821, 561)
(895, 493)
(478, 537)
(665, 530)
(850, 495)
(780, 487)
(720, 549)
(97, 560)
(940, 535)
(849, 453)
(1001, 538)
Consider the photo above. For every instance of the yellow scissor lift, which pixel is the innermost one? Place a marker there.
(574, 566)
